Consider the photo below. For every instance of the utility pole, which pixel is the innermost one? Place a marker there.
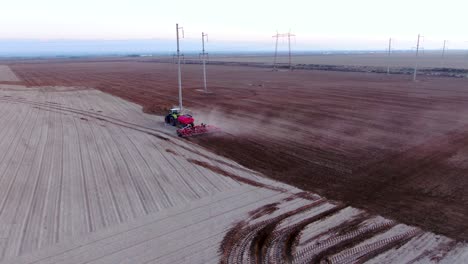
(389, 51)
(277, 36)
(204, 59)
(289, 47)
(416, 59)
(443, 54)
(276, 51)
(179, 76)
(466, 50)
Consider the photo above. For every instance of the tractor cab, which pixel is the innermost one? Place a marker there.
(174, 111)
(171, 118)
(176, 118)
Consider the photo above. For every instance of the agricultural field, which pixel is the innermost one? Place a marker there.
(428, 59)
(387, 153)
(6, 75)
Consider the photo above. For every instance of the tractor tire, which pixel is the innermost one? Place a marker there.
(172, 121)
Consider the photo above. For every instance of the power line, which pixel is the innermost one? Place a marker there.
(442, 62)
(416, 59)
(389, 52)
(276, 50)
(283, 35)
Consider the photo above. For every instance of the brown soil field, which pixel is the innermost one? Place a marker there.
(383, 143)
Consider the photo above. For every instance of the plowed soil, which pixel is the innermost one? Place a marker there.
(384, 143)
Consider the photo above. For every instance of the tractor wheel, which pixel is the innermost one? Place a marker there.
(172, 121)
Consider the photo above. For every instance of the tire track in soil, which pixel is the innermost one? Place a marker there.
(269, 241)
(57, 107)
(94, 115)
(363, 253)
(337, 243)
(238, 178)
(244, 243)
(116, 121)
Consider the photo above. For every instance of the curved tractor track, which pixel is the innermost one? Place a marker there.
(349, 236)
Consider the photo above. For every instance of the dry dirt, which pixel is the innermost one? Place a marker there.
(6, 75)
(383, 143)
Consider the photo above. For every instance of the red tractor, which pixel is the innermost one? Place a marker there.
(185, 123)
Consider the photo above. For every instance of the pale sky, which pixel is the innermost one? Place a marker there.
(317, 24)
